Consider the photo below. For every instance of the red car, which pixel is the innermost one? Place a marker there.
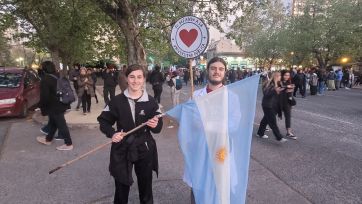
(19, 91)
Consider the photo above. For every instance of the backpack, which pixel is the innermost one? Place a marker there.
(64, 90)
(170, 83)
(178, 84)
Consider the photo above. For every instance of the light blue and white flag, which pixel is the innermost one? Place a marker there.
(215, 133)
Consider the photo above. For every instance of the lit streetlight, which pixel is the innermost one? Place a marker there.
(344, 60)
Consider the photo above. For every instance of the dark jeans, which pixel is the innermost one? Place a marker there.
(269, 119)
(301, 89)
(143, 169)
(57, 121)
(95, 93)
(338, 84)
(157, 90)
(46, 129)
(86, 102)
(287, 110)
(111, 91)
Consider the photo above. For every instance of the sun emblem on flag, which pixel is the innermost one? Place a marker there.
(221, 155)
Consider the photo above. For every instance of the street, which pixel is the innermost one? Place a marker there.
(323, 166)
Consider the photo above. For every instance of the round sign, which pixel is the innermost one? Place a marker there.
(189, 37)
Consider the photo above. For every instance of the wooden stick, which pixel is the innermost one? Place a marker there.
(98, 148)
(191, 78)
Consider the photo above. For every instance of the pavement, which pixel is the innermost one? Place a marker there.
(323, 166)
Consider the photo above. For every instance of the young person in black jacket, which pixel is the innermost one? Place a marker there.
(128, 110)
(286, 99)
(271, 107)
(50, 105)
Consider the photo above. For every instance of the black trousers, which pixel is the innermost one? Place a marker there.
(301, 89)
(157, 90)
(143, 170)
(86, 102)
(111, 91)
(57, 121)
(287, 110)
(95, 93)
(270, 119)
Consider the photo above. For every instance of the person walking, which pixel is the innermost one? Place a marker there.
(299, 82)
(110, 82)
(156, 79)
(51, 106)
(287, 101)
(175, 84)
(94, 77)
(271, 107)
(128, 110)
(85, 91)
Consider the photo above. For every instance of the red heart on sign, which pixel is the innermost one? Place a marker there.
(188, 37)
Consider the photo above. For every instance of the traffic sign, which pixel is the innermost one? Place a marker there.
(189, 37)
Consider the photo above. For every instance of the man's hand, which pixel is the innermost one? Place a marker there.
(118, 136)
(152, 123)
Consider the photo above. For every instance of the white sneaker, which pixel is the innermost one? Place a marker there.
(65, 147)
(42, 140)
(283, 140)
(263, 136)
(42, 131)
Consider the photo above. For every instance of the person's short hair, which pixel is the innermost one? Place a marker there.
(216, 59)
(135, 67)
(48, 67)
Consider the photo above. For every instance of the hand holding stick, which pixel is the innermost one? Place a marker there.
(100, 147)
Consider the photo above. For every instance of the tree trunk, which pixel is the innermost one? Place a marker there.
(55, 57)
(135, 50)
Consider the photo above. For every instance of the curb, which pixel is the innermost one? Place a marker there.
(38, 118)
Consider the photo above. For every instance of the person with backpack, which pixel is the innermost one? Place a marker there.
(156, 79)
(313, 83)
(175, 83)
(85, 91)
(54, 104)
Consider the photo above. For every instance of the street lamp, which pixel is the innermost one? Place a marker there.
(344, 60)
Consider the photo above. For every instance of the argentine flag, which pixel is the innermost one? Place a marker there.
(214, 134)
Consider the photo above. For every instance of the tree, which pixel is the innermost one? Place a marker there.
(139, 20)
(259, 31)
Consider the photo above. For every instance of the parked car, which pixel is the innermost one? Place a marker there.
(19, 91)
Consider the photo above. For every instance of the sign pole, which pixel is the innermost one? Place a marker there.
(191, 78)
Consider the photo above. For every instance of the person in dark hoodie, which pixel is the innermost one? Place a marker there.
(50, 105)
(156, 79)
(271, 107)
(110, 80)
(129, 110)
(299, 82)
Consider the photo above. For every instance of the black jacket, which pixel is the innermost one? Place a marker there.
(134, 146)
(110, 79)
(284, 97)
(49, 102)
(271, 98)
(157, 79)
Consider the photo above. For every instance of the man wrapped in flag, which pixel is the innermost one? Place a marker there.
(215, 136)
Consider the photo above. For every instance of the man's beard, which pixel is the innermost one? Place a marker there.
(215, 83)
